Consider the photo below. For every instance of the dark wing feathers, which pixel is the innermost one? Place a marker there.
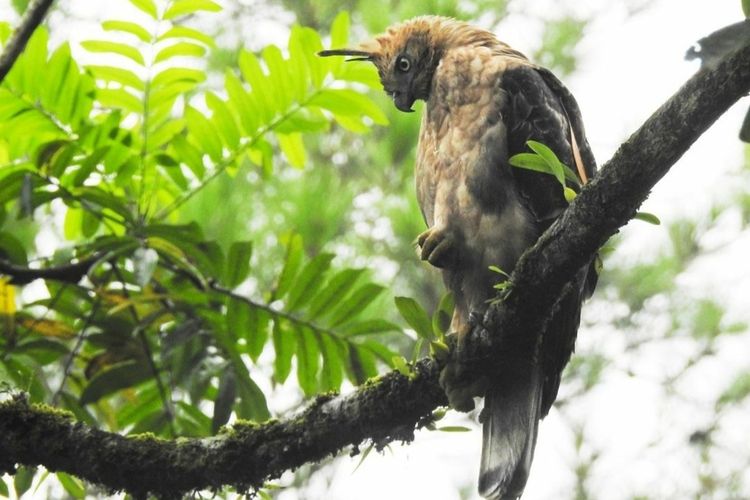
(540, 108)
(533, 112)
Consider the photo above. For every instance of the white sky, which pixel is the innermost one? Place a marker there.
(628, 67)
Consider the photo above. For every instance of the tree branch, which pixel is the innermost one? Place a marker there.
(67, 273)
(392, 406)
(32, 18)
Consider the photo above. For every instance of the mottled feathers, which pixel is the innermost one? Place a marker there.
(484, 100)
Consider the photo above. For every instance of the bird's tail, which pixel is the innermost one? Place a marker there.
(510, 424)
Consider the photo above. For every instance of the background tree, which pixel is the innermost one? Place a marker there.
(237, 241)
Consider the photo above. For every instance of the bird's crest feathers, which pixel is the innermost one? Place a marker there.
(430, 32)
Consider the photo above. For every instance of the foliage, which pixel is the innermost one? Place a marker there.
(169, 331)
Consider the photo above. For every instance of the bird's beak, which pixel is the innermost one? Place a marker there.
(358, 55)
(403, 101)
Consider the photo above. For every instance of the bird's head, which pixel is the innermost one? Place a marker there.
(407, 54)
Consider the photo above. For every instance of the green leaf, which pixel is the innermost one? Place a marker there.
(185, 32)
(401, 365)
(73, 486)
(443, 315)
(382, 352)
(310, 41)
(253, 74)
(360, 364)
(569, 194)
(106, 46)
(415, 316)
(118, 75)
(171, 76)
(189, 155)
(307, 361)
(334, 291)
(340, 30)
(258, 336)
(224, 120)
(454, 428)
(304, 120)
(23, 479)
(292, 262)
(284, 342)
(252, 402)
(279, 76)
(183, 7)
(331, 374)
(347, 103)
(180, 49)
(164, 133)
(746, 8)
(309, 281)
(128, 27)
(119, 98)
(239, 320)
(368, 327)
(647, 217)
(224, 400)
(530, 161)
(238, 263)
(72, 223)
(118, 376)
(352, 307)
(97, 197)
(551, 158)
(737, 391)
(239, 101)
(204, 133)
(293, 148)
(4, 491)
(147, 6)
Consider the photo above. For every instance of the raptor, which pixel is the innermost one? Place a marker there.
(483, 102)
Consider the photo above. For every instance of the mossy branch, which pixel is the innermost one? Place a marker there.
(244, 455)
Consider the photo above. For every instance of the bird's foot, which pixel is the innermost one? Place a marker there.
(437, 246)
(461, 386)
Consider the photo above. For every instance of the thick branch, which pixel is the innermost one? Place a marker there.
(247, 455)
(390, 408)
(67, 273)
(31, 19)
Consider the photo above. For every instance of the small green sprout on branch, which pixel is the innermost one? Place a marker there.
(503, 287)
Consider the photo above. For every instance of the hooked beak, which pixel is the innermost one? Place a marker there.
(403, 101)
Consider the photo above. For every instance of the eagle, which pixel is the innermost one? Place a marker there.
(483, 102)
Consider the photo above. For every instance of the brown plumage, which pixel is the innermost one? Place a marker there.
(484, 100)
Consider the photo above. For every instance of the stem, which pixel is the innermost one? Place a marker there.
(31, 19)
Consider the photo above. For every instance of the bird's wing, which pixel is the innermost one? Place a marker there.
(540, 108)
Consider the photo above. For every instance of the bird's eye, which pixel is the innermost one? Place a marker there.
(403, 64)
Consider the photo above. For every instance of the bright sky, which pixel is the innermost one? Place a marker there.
(628, 66)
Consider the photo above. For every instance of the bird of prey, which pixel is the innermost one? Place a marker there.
(483, 102)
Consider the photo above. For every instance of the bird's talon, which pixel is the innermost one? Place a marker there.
(437, 246)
